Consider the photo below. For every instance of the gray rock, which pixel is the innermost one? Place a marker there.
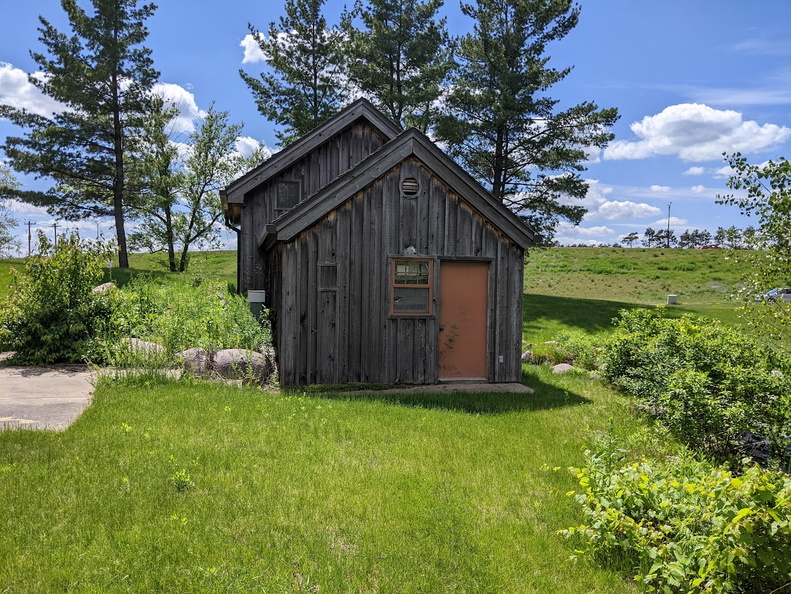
(103, 288)
(562, 368)
(242, 364)
(551, 342)
(197, 361)
(527, 357)
(144, 347)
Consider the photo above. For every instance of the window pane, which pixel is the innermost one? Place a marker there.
(409, 299)
(287, 195)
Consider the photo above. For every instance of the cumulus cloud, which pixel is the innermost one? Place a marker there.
(699, 189)
(696, 132)
(656, 188)
(252, 51)
(17, 91)
(674, 222)
(574, 231)
(184, 101)
(246, 146)
(695, 171)
(23, 209)
(601, 207)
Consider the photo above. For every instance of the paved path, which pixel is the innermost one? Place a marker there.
(43, 397)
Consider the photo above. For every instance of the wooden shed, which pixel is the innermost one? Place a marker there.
(381, 259)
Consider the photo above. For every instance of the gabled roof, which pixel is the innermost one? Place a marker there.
(361, 108)
(408, 143)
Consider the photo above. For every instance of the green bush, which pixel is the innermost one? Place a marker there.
(575, 347)
(53, 314)
(684, 525)
(715, 388)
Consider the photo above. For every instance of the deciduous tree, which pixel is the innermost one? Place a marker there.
(8, 185)
(502, 125)
(102, 74)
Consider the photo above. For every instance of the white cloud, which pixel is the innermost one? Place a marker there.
(695, 132)
(246, 146)
(699, 189)
(695, 171)
(23, 209)
(17, 91)
(656, 188)
(674, 222)
(252, 51)
(568, 230)
(619, 210)
(184, 101)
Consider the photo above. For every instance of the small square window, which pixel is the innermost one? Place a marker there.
(411, 287)
(287, 195)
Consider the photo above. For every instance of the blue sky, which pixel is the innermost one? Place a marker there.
(691, 80)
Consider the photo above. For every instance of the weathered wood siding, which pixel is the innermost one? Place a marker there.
(333, 158)
(344, 333)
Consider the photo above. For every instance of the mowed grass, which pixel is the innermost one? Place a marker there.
(298, 493)
(635, 275)
(329, 492)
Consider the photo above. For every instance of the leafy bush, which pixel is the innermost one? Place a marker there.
(685, 525)
(716, 389)
(180, 316)
(575, 347)
(53, 314)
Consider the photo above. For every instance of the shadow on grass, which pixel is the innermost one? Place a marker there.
(122, 276)
(590, 315)
(546, 397)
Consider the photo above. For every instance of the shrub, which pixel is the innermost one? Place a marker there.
(684, 525)
(575, 347)
(53, 314)
(715, 388)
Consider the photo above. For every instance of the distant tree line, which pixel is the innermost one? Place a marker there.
(732, 238)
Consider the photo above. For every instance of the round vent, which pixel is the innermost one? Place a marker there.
(410, 187)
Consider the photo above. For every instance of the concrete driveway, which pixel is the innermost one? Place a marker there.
(43, 397)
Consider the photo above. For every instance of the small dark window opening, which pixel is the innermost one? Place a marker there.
(328, 276)
(411, 287)
(287, 195)
(410, 187)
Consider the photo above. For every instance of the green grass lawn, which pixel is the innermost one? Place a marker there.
(298, 493)
(327, 492)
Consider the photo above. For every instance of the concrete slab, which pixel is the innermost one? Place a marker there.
(43, 397)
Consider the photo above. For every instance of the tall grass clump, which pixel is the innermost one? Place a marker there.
(179, 316)
(53, 315)
(718, 390)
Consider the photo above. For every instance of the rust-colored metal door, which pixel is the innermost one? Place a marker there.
(463, 291)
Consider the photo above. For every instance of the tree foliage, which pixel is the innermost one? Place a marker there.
(400, 58)
(182, 204)
(501, 124)
(101, 74)
(8, 185)
(305, 84)
(764, 192)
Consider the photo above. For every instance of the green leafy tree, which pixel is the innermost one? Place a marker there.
(305, 83)
(650, 238)
(400, 58)
(764, 193)
(183, 207)
(8, 185)
(501, 124)
(102, 74)
(631, 238)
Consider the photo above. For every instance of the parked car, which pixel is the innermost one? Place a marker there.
(775, 294)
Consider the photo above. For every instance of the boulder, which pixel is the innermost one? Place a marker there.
(242, 364)
(103, 288)
(527, 357)
(144, 347)
(197, 361)
(562, 368)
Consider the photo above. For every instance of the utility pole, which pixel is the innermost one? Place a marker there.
(55, 225)
(668, 224)
(29, 238)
